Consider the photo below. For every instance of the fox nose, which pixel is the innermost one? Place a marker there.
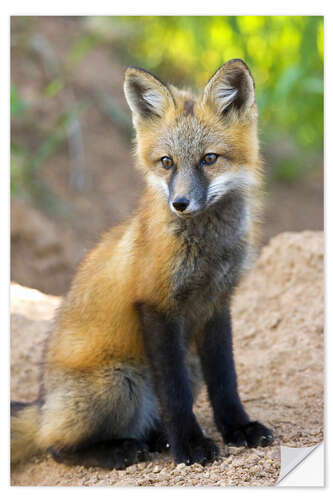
(181, 204)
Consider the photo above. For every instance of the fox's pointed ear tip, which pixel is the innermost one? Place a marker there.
(132, 70)
(235, 65)
(237, 62)
(135, 70)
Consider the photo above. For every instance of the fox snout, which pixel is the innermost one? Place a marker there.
(186, 206)
(187, 193)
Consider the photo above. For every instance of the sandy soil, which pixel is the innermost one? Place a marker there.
(278, 315)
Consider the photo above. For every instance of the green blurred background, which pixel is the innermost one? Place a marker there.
(71, 127)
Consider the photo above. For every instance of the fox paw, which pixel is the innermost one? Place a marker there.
(157, 440)
(199, 450)
(251, 435)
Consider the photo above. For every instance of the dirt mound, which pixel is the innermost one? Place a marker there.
(278, 316)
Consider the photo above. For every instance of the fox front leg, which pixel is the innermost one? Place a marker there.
(221, 379)
(164, 347)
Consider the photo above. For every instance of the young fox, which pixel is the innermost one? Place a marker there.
(148, 313)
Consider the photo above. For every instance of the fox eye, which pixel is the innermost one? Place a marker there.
(209, 159)
(167, 162)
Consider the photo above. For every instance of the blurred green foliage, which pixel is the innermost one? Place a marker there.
(285, 54)
(24, 165)
(17, 105)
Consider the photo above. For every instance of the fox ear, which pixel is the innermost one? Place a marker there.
(230, 88)
(146, 95)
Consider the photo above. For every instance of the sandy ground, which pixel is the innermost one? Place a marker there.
(278, 315)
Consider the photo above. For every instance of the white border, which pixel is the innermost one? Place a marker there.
(142, 7)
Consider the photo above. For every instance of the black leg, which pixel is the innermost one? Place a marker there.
(220, 375)
(163, 338)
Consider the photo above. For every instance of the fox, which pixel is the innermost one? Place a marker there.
(147, 321)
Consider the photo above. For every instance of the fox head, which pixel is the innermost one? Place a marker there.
(195, 150)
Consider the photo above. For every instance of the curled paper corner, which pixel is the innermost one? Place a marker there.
(302, 466)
